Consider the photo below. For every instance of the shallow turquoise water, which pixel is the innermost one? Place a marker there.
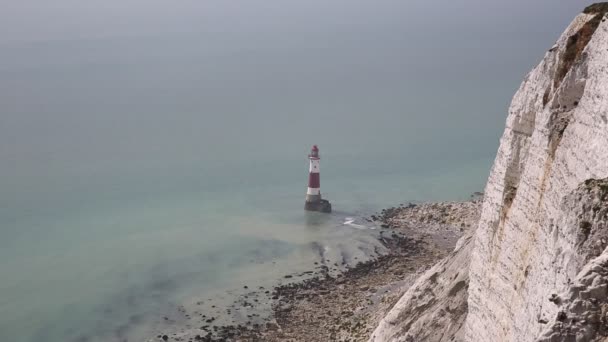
(114, 257)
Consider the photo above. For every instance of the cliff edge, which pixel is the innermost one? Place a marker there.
(538, 261)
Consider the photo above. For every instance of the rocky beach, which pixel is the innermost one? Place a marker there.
(336, 302)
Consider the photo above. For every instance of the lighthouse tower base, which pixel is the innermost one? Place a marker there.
(321, 205)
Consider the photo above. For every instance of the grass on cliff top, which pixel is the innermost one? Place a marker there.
(600, 7)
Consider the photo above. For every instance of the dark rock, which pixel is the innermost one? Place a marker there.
(272, 326)
(347, 313)
(555, 299)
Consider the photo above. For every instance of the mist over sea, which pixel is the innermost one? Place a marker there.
(153, 153)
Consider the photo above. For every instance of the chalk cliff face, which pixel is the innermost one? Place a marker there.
(538, 265)
(434, 308)
(535, 232)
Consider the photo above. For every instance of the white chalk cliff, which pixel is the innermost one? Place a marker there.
(538, 261)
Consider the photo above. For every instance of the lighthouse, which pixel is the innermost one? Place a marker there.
(314, 202)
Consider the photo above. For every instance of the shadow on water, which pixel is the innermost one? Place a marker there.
(125, 315)
(314, 219)
(140, 306)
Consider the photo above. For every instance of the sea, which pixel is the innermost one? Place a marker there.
(146, 164)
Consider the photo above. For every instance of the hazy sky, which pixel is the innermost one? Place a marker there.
(74, 19)
(92, 86)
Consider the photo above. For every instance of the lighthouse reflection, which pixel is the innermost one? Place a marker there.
(315, 219)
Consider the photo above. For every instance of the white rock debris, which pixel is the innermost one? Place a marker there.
(435, 307)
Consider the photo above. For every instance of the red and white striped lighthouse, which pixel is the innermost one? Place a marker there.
(314, 202)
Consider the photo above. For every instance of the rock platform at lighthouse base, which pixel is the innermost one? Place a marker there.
(322, 206)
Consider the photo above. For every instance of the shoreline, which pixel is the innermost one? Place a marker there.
(348, 305)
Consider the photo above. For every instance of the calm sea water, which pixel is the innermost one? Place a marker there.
(140, 171)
